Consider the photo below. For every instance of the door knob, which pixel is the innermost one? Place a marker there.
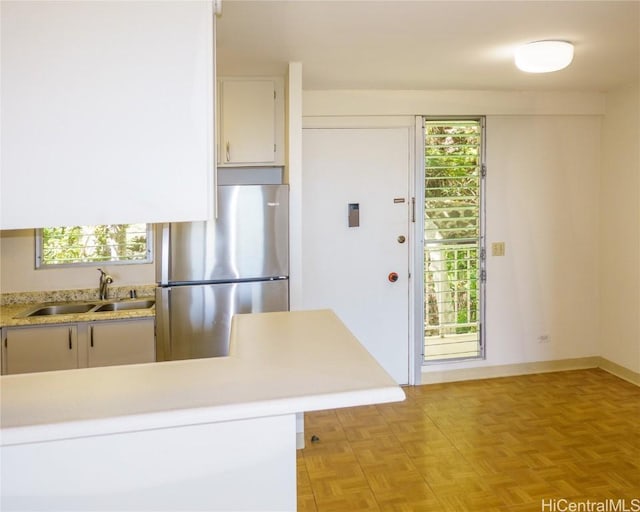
(393, 277)
(401, 239)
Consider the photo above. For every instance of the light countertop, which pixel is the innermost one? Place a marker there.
(279, 363)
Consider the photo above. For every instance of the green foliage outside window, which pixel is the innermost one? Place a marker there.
(94, 244)
(452, 226)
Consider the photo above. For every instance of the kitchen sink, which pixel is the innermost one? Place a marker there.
(68, 309)
(61, 309)
(125, 305)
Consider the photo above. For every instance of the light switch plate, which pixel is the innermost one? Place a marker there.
(497, 249)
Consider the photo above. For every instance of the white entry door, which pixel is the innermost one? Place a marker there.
(362, 174)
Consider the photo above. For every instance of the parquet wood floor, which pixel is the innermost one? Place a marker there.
(502, 444)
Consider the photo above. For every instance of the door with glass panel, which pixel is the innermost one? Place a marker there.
(454, 253)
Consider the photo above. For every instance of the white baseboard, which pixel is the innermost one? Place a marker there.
(619, 371)
(432, 376)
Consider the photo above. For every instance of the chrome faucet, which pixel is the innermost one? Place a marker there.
(105, 281)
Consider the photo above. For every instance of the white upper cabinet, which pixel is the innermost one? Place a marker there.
(251, 121)
(107, 112)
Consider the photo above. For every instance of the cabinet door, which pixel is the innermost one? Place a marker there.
(122, 342)
(99, 97)
(40, 349)
(247, 121)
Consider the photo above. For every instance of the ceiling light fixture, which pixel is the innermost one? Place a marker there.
(544, 56)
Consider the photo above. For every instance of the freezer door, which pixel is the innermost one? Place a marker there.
(195, 321)
(249, 239)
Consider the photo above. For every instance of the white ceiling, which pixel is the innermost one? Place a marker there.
(424, 44)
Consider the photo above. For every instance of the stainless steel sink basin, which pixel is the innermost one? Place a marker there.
(81, 308)
(125, 305)
(61, 309)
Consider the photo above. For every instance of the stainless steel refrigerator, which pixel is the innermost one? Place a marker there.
(209, 271)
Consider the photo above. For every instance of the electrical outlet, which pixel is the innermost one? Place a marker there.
(497, 249)
(544, 338)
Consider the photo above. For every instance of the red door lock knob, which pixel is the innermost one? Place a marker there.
(393, 277)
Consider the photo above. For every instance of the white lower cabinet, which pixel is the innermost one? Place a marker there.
(78, 345)
(40, 349)
(121, 342)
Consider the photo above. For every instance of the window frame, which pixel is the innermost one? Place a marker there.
(40, 265)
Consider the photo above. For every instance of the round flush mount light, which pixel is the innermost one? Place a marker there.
(544, 56)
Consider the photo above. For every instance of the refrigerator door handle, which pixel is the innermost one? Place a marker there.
(163, 324)
(164, 258)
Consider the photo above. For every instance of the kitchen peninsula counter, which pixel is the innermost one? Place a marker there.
(231, 416)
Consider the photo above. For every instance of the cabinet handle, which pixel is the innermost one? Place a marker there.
(91, 334)
(228, 152)
(70, 339)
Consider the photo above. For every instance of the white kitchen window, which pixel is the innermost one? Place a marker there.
(88, 245)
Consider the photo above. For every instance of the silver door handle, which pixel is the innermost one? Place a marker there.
(228, 152)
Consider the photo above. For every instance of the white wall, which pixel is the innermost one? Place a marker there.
(447, 103)
(543, 156)
(620, 229)
(293, 177)
(18, 273)
(542, 201)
